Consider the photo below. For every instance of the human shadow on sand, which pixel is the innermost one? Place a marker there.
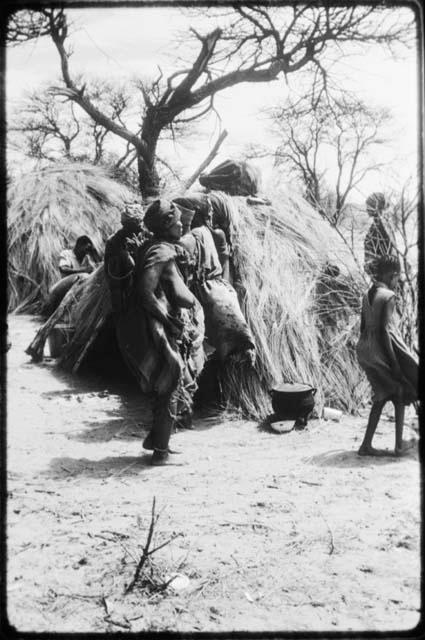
(93, 387)
(342, 458)
(118, 428)
(110, 467)
(132, 422)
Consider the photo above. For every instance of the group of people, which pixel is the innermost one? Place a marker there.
(164, 268)
(170, 286)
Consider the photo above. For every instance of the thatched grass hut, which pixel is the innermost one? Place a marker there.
(48, 208)
(280, 251)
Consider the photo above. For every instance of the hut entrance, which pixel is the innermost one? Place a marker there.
(104, 358)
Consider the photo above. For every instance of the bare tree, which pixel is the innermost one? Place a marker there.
(323, 129)
(115, 101)
(46, 127)
(401, 220)
(256, 45)
(50, 125)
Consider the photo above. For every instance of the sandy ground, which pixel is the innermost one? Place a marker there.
(275, 532)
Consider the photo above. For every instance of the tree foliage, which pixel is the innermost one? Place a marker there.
(322, 130)
(254, 44)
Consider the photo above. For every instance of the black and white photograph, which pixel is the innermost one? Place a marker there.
(211, 406)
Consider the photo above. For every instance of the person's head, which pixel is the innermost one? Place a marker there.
(132, 218)
(387, 270)
(203, 214)
(187, 212)
(375, 204)
(83, 246)
(162, 218)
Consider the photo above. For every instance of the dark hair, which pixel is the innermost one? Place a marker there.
(151, 215)
(386, 264)
(202, 213)
(81, 241)
(160, 215)
(376, 201)
(187, 203)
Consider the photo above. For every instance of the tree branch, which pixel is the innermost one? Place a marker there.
(190, 181)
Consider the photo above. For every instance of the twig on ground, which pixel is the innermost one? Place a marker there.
(253, 525)
(116, 533)
(311, 603)
(146, 550)
(65, 469)
(104, 604)
(99, 535)
(234, 559)
(55, 493)
(331, 538)
(117, 623)
(80, 596)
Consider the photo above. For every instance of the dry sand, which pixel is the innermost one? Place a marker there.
(276, 532)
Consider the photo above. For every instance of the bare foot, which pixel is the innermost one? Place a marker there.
(371, 451)
(405, 447)
(159, 458)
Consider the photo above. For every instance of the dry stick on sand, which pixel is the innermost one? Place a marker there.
(331, 537)
(146, 552)
(210, 157)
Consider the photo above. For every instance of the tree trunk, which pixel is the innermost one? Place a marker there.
(146, 162)
(148, 177)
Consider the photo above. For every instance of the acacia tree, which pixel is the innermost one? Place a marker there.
(319, 130)
(256, 45)
(50, 125)
(45, 126)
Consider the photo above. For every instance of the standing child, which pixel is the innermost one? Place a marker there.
(390, 367)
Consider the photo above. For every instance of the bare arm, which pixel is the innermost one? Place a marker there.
(225, 265)
(223, 251)
(67, 271)
(148, 283)
(88, 263)
(177, 292)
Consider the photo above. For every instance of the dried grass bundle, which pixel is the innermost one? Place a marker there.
(279, 252)
(87, 318)
(49, 208)
(343, 381)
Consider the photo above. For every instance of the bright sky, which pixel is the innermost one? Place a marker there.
(131, 42)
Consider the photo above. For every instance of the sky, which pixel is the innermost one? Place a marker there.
(124, 43)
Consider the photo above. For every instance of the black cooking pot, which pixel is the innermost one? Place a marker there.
(292, 401)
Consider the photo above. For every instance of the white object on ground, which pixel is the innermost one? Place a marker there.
(332, 414)
(282, 426)
(178, 581)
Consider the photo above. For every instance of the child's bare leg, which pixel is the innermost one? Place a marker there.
(366, 448)
(400, 446)
(399, 423)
